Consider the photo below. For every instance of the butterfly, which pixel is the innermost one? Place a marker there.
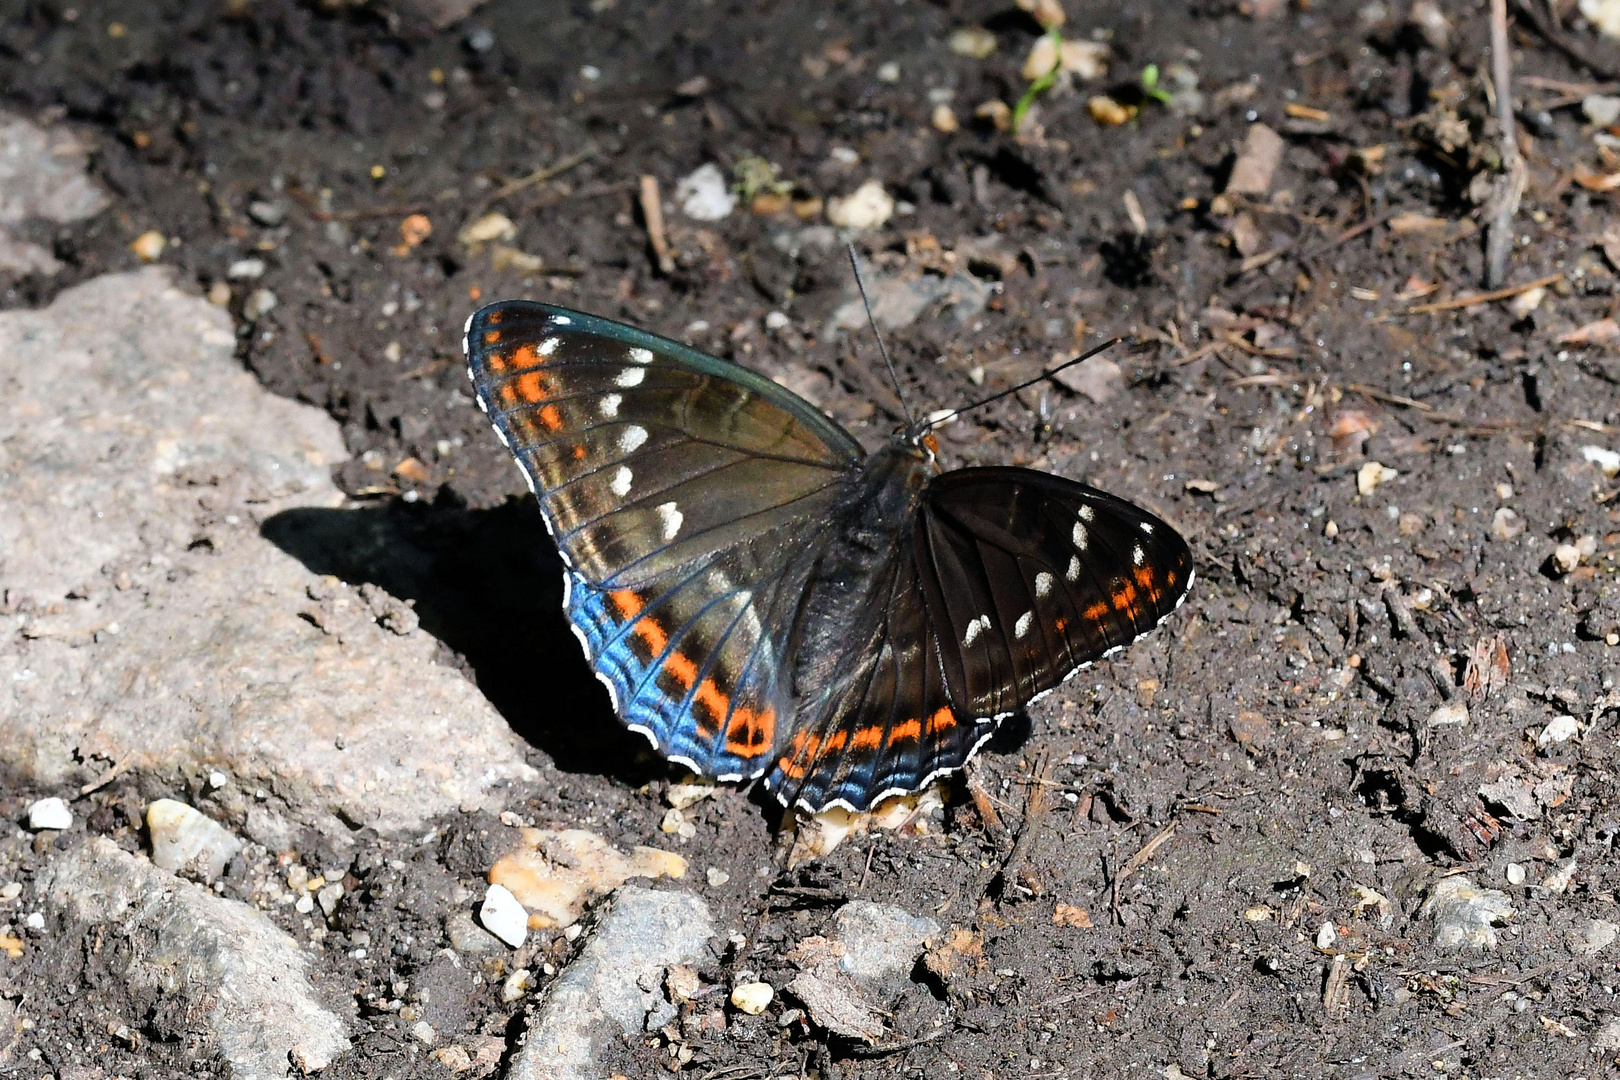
(762, 597)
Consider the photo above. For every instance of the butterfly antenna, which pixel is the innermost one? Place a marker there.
(951, 414)
(860, 283)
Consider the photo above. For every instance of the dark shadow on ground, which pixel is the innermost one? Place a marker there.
(488, 584)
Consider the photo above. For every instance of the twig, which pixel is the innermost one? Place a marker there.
(898, 1047)
(1139, 860)
(981, 800)
(652, 211)
(539, 176)
(1471, 299)
(1509, 187)
(108, 777)
(1034, 810)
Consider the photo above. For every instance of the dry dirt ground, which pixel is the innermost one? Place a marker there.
(1393, 510)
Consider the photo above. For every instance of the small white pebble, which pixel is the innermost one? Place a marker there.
(35, 921)
(717, 877)
(517, 984)
(10, 890)
(423, 1032)
(504, 917)
(1566, 557)
(304, 904)
(1326, 936)
(752, 997)
(775, 320)
(1515, 874)
(1558, 729)
(51, 813)
(245, 269)
(217, 779)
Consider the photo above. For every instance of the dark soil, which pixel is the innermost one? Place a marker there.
(1279, 721)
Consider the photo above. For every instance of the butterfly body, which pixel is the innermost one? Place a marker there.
(761, 597)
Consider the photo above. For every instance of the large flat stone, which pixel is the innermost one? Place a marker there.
(219, 963)
(148, 624)
(615, 984)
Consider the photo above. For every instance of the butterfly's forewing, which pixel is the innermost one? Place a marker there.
(1030, 576)
(682, 491)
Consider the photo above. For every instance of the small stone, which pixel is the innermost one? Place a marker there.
(1607, 461)
(51, 813)
(454, 1058)
(1097, 377)
(304, 904)
(717, 877)
(1108, 112)
(217, 780)
(267, 213)
(245, 269)
(1453, 713)
(1370, 475)
(703, 194)
(1559, 729)
(423, 1032)
(148, 247)
(972, 41)
(881, 941)
(1526, 302)
(517, 984)
(10, 890)
(1465, 916)
(219, 294)
(692, 789)
(867, 207)
(1566, 557)
(504, 917)
(888, 71)
(1331, 529)
(1256, 162)
(491, 227)
(1505, 524)
(1515, 874)
(187, 841)
(259, 303)
(1603, 14)
(35, 921)
(1595, 936)
(328, 898)
(775, 320)
(752, 997)
(1326, 935)
(944, 119)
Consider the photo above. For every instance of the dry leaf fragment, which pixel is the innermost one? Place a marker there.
(836, 1004)
(1601, 330)
(1594, 181)
(1488, 669)
(1256, 162)
(1069, 915)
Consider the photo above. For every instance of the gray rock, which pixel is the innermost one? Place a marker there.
(42, 175)
(615, 985)
(138, 460)
(267, 212)
(244, 981)
(881, 941)
(898, 301)
(1465, 915)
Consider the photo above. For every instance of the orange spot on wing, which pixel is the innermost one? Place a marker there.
(524, 357)
(651, 634)
(1144, 580)
(800, 751)
(1124, 597)
(749, 731)
(907, 729)
(1097, 612)
(867, 738)
(551, 416)
(493, 317)
(1061, 623)
(491, 336)
(628, 603)
(942, 720)
(681, 669)
(835, 742)
(579, 453)
(530, 387)
(713, 700)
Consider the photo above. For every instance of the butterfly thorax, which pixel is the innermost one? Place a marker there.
(871, 531)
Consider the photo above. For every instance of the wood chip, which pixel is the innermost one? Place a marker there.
(1256, 162)
(1592, 332)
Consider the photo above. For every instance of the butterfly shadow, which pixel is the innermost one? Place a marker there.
(488, 585)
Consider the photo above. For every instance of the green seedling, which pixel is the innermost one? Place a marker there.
(1151, 87)
(1041, 85)
(753, 175)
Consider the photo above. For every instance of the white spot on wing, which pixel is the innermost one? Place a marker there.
(1137, 555)
(1043, 584)
(1073, 572)
(631, 438)
(1080, 536)
(549, 346)
(975, 627)
(671, 517)
(1087, 513)
(562, 320)
(610, 405)
(639, 355)
(631, 376)
(1147, 527)
(621, 481)
(1025, 621)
